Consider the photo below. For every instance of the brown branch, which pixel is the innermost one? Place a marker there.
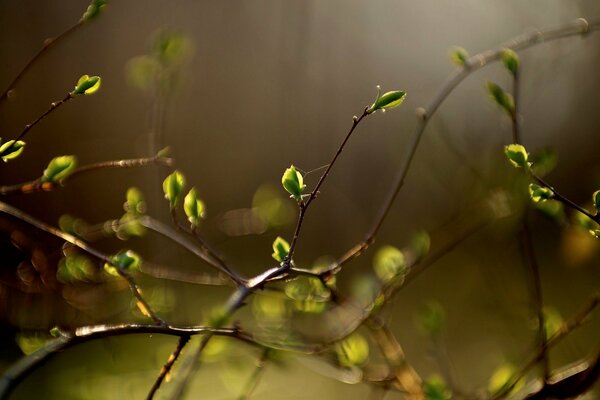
(164, 371)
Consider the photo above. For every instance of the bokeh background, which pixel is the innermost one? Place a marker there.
(265, 84)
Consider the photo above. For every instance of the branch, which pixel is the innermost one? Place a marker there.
(164, 371)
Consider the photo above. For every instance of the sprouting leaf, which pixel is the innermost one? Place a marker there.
(93, 10)
(173, 186)
(596, 199)
(501, 98)
(309, 295)
(387, 100)
(193, 207)
(134, 202)
(517, 155)
(129, 225)
(87, 85)
(293, 183)
(125, 260)
(11, 150)
(432, 318)
(352, 351)
(510, 59)
(59, 168)
(281, 248)
(435, 388)
(75, 268)
(539, 193)
(458, 55)
(388, 263)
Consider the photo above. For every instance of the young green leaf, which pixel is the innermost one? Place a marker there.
(388, 263)
(458, 56)
(517, 155)
(596, 199)
(352, 351)
(387, 100)
(435, 388)
(173, 186)
(293, 183)
(93, 10)
(501, 98)
(134, 202)
(539, 193)
(87, 85)
(510, 59)
(11, 150)
(193, 207)
(59, 168)
(281, 248)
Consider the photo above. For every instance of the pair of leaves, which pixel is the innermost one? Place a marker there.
(193, 207)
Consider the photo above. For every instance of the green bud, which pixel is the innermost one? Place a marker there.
(87, 85)
(59, 168)
(124, 261)
(293, 183)
(193, 207)
(510, 59)
(352, 351)
(458, 56)
(596, 199)
(435, 388)
(387, 100)
(93, 10)
(11, 150)
(595, 233)
(539, 193)
(517, 155)
(504, 100)
(388, 263)
(134, 202)
(173, 186)
(281, 249)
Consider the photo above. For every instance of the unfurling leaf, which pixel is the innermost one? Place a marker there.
(123, 261)
(352, 351)
(173, 186)
(388, 263)
(596, 199)
(11, 150)
(193, 207)
(458, 56)
(539, 193)
(504, 100)
(93, 10)
(59, 168)
(293, 183)
(517, 155)
(510, 59)
(387, 100)
(134, 201)
(281, 248)
(87, 85)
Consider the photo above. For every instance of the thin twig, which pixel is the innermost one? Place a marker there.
(164, 371)
(48, 43)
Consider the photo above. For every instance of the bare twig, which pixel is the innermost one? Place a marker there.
(164, 371)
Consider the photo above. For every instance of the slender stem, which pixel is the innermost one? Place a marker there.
(48, 43)
(164, 371)
(15, 212)
(515, 114)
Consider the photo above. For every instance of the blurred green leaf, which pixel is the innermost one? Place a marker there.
(59, 168)
(142, 71)
(31, 342)
(553, 321)
(544, 161)
(94, 10)
(170, 47)
(76, 268)
(271, 207)
(281, 248)
(269, 307)
(125, 260)
(134, 201)
(432, 318)
(501, 98)
(173, 186)
(435, 388)
(352, 351)
(309, 294)
(420, 244)
(458, 56)
(11, 150)
(596, 200)
(388, 263)
(503, 376)
(510, 59)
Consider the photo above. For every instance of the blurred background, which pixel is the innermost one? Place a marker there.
(253, 87)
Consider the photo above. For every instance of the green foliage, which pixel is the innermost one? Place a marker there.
(94, 9)
(87, 85)
(125, 260)
(388, 263)
(134, 202)
(193, 207)
(11, 150)
(387, 100)
(517, 155)
(435, 388)
(504, 100)
(59, 168)
(432, 318)
(309, 295)
(352, 351)
(458, 56)
(538, 193)
(76, 268)
(281, 249)
(510, 59)
(293, 183)
(173, 186)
